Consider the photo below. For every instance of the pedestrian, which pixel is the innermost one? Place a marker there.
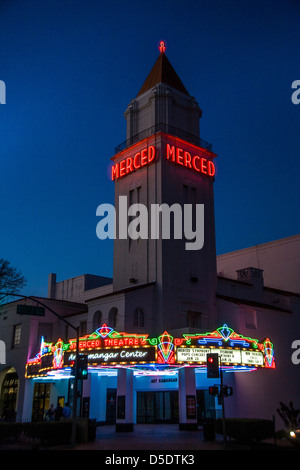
(50, 413)
(58, 412)
(67, 411)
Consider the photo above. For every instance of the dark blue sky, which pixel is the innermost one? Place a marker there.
(72, 66)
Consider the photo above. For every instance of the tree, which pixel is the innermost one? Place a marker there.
(11, 280)
(289, 414)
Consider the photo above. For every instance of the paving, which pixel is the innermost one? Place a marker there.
(153, 438)
(160, 437)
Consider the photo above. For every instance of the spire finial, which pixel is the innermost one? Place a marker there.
(162, 47)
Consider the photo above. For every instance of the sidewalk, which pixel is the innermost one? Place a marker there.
(155, 438)
(164, 437)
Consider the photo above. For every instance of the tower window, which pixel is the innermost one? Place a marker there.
(97, 320)
(17, 336)
(138, 317)
(193, 319)
(113, 317)
(83, 327)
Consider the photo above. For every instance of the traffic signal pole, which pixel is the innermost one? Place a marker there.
(222, 402)
(75, 393)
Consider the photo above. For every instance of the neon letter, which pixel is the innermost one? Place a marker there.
(170, 152)
(115, 171)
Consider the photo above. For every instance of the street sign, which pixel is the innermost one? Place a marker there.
(30, 310)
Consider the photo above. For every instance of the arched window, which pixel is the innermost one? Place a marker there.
(97, 320)
(9, 394)
(193, 319)
(113, 317)
(138, 317)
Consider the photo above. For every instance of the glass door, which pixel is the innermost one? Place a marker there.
(157, 407)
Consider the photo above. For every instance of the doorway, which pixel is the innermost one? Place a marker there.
(9, 395)
(205, 406)
(157, 407)
(111, 408)
(41, 401)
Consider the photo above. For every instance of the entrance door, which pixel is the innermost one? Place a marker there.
(9, 395)
(41, 401)
(111, 408)
(205, 406)
(157, 407)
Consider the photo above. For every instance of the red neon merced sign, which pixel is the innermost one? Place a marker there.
(130, 164)
(194, 162)
(173, 153)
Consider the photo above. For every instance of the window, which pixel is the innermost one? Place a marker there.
(250, 319)
(17, 336)
(45, 330)
(193, 319)
(138, 317)
(82, 328)
(113, 317)
(97, 320)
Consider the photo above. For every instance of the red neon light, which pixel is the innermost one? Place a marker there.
(131, 164)
(184, 158)
(123, 342)
(162, 47)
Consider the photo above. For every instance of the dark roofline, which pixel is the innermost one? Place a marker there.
(270, 289)
(124, 291)
(251, 303)
(32, 297)
(162, 72)
(235, 280)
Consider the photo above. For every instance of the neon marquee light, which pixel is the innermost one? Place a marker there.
(58, 355)
(165, 349)
(107, 347)
(269, 353)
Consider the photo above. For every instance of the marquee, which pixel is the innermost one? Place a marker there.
(106, 347)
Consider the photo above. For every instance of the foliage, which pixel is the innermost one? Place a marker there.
(289, 415)
(52, 433)
(247, 430)
(11, 280)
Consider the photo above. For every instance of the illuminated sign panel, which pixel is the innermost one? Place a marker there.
(182, 153)
(228, 356)
(252, 357)
(107, 347)
(133, 163)
(117, 356)
(184, 158)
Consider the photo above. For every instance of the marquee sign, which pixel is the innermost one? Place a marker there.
(108, 348)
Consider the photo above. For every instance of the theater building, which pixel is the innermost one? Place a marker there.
(147, 331)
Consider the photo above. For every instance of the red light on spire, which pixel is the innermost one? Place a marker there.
(162, 47)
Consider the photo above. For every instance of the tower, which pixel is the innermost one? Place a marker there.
(165, 163)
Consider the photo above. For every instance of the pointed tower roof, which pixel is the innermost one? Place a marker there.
(162, 72)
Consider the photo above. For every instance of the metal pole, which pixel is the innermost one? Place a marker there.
(223, 405)
(75, 393)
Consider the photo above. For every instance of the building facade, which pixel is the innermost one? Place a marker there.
(147, 331)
